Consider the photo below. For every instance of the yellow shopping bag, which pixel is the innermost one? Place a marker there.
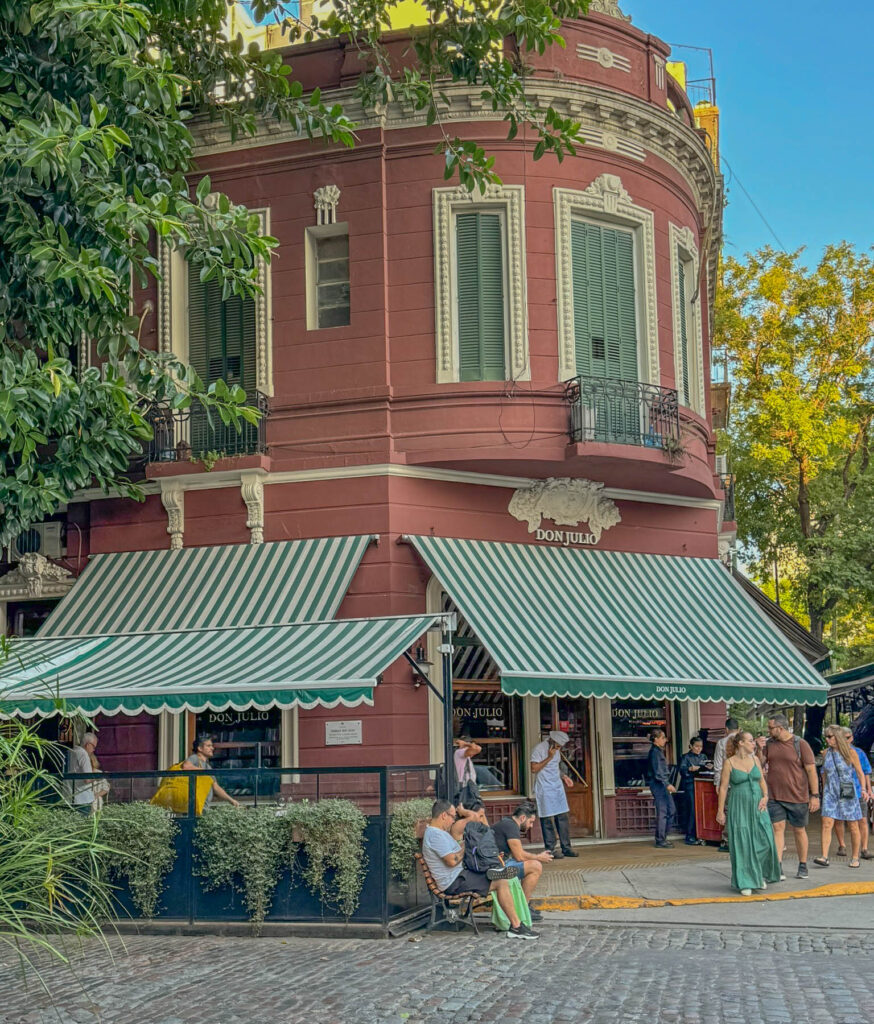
(173, 791)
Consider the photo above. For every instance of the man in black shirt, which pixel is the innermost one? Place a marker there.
(508, 835)
(690, 765)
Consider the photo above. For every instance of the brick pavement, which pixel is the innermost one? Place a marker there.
(607, 974)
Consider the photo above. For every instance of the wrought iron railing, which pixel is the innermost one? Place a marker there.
(623, 412)
(727, 481)
(182, 434)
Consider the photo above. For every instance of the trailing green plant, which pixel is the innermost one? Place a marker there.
(243, 849)
(139, 848)
(331, 833)
(403, 842)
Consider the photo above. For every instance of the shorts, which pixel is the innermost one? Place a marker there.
(795, 814)
(469, 881)
(518, 864)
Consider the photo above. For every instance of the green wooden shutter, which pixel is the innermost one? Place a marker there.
(683, 340)
(480, 291)
(221, 346)
(605, 321)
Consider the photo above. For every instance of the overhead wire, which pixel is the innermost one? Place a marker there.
(753, 203)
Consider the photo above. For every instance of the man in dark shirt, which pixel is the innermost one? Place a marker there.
(508, 836)
(690, 765)
(658, 775)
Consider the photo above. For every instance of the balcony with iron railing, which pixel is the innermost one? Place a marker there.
(611, 411)
(728, 511)
(182, 435)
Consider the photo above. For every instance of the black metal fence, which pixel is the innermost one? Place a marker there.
(388, 904)
(623, 412)
(195, 432)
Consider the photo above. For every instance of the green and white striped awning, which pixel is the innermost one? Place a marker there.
(212, 587)
(584, 623)
(302, 664)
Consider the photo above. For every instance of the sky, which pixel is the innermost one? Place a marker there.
(795, 87)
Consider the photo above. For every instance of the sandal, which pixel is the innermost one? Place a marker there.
(854, 864)
(842, 851)
(821, 862)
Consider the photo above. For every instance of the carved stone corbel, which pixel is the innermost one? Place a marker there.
(173, 500)
(252, 492)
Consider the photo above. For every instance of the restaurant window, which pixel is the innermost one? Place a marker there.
(244, 739)
(633, 720)
(494, 720)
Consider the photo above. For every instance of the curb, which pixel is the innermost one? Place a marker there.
(587, 901)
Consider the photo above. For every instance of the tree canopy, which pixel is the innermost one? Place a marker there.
(96, 152)
(799, 346)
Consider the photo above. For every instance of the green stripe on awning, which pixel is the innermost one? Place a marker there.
(193, 588)
(583, 623)
(302, 664)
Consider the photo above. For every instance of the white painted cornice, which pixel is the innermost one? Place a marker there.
(230, 478)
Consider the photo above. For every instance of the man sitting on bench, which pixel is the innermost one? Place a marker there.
(508, 835)
(445, 859)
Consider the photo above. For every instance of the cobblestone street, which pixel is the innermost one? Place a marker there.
(577, 973)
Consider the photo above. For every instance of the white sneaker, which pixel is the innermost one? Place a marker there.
(746, 892)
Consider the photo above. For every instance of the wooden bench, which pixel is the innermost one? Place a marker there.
(457, 909)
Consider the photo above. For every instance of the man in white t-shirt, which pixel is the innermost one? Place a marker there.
(79, 763)
(445, 859)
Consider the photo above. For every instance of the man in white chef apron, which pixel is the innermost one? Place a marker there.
(549, 792)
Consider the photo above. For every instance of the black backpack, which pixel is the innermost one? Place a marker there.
(480, 848)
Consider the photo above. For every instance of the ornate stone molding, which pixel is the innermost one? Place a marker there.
(566, 502)
(252, 492)
(659, 63)
(607, 201)
(173, 500)
(603, 56)
(173, 308)
(326, 199)
(684, 256)
(447, 202)
(35, 576)
(608, 7)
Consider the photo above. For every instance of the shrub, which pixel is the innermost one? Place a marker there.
(243, 849)
(139, 848)
(403, 842)
(331, 833)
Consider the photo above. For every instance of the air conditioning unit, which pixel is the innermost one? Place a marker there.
(41, 539)
(721, 465)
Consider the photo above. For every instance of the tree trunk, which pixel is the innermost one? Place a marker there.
(797, 720)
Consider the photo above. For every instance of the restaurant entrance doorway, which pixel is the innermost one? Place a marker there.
(571, 715)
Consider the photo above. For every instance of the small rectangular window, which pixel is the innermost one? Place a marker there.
(328, 274)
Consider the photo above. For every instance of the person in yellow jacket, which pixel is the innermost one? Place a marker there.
(202, 751)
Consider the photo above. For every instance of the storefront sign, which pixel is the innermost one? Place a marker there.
(565, 502)
(341, 734)
(565, 537)
(235, 718)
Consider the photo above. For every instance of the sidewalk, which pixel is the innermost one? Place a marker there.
(620, 876)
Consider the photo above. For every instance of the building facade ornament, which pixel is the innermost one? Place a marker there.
(608, 7)
(326, 199)
(603, 56)
(252, 492)
(173, 500)
(660, 66)
(510, 199)
(35, 576)
(565, 501)
(607, 201)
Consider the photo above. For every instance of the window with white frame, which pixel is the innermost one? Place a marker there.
(228, 339)
(605, 280)
(604, 300)
(481, 316)
(328, 292)
(688, 341)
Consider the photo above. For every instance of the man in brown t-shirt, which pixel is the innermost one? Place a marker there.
(793, 787)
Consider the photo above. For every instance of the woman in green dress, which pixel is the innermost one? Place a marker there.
(748, 828)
